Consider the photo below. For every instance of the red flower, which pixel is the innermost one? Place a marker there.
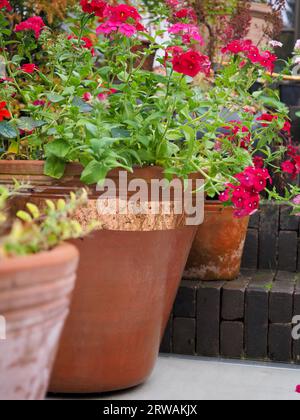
(287, 127)
(29, 68)
(191, 63)
(264, 58)
(288, 167)
(245, 196)
(87, 43)
(94, 6)
(4, 113)
(267, 118)
(121, 13)
(298, 389)
(258, 162)
(268, 60)
(34, 24)
(186, 14)
(39, 103)
(4, 4)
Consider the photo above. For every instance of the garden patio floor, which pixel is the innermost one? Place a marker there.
(191, 378)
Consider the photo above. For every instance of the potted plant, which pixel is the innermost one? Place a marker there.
(79, 112)
(238, 131)
(37, 276)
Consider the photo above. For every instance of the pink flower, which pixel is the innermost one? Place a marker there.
(4, 4)
(34, 24)
(39, 103)
(297, 202)
(187, 31)
(127, 30)
(29, 68)
(298, 389)
(103, 96)
(87, 96)
(245, 196)
(276, 44)
(297, 45)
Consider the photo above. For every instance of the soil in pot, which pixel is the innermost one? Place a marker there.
(218, 247)
(127, 282)
(35, 295)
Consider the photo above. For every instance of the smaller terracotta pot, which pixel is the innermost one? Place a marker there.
(35, 295)
(218, 247)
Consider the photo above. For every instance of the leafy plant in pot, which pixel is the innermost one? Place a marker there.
(77, 113)
(37, 276)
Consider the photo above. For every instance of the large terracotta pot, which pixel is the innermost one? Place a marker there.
(34, 300)
(127, 282)
(218, 247)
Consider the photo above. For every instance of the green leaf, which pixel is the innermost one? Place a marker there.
(29, 124)
(7, 130)
(24, 216)
(59, 148)
(94, 172)
(55, 98)
(82, 105)
(54, 167)
(33, 210)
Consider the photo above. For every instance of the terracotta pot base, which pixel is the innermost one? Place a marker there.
(127, 281)
(120, 309)
(34, 299)
(218, 247)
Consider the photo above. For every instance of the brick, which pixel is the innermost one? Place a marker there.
(281, 301)
(288, 222)
(298, 265)
(208, 318)
(287, 250)
(250, 255)
(296, 312)
(232, 339)
(257, 316)
(185, 304)
(233, 299)
(184, 334)
(280, 342)
(254, 221)
(269, 224)
(296, 351)
(297, 296)
(166, 344)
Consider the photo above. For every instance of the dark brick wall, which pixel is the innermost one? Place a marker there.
(273, 240)
(249, 318)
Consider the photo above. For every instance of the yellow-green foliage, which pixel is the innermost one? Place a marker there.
(35, 231)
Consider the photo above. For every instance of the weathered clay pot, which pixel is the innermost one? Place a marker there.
(34, 300)
(127, 282)
(218, 247)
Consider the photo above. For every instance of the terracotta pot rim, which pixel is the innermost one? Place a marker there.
(60, 254)
(37, 168)
(216, 206)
